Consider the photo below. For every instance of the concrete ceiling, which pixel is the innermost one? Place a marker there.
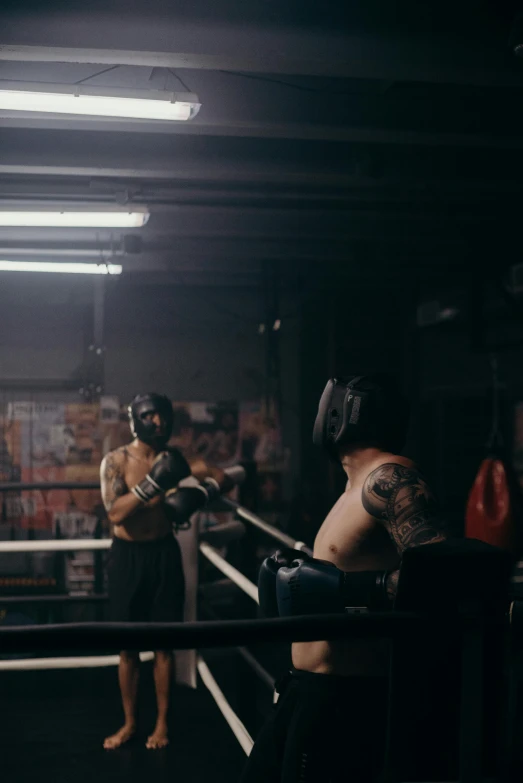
(358, 137)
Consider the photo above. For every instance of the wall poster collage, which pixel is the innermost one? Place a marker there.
(56, 442)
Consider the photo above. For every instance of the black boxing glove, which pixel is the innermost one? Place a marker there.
(167, 470)
(267, 577)
(318, 587)
(233, 476)
(182, 502)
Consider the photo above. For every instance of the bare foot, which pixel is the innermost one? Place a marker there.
(159, 738)
(120, 738)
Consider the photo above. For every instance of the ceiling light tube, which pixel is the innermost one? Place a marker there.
(73, 219)
(60, 268)
(99, 102)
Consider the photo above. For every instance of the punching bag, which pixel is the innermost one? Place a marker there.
(492, 507)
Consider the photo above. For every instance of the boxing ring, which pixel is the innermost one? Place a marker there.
(91, 638)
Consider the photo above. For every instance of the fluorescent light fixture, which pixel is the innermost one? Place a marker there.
(63, 268)
(73, 219)
(69, 252)
(99, 101)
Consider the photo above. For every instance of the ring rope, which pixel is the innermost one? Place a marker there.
(256, 666)
(247, 656)
(243, 513)
(73, 662)
(56, 545)
(226, 568)
(224, 633)
(28, 486)
(59, 598)
(255, 520)
(233, 721)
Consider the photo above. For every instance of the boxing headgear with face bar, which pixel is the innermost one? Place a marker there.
(362, 411)
(141, 410)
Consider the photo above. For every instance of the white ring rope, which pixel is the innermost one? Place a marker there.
(226, 568)
(255, 520)
(233, 721)
(262, 673)
(56, 545)
(241, 581)
(77, 662)
(77, 544)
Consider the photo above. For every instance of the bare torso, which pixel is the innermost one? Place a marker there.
(145, 524)
(354, 541)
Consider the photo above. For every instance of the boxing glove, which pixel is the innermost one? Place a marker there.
(167, 470)
(318, 587)
(267, 577)
(233, 476)
(181, 503)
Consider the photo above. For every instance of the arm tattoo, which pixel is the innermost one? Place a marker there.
(401, 499)
(112, 480)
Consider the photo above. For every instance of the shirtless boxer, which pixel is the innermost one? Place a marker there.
(329, 724)
(146, 581)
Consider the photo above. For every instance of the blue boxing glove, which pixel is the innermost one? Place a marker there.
(267, 578)
(319, 587)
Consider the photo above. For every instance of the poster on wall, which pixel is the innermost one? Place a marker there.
(42, 433)
(10, 450)
(79, 566)
(50, 442)
(82, 422)
(270, 491)
(54, 442)
(260, 436)
(207, 430)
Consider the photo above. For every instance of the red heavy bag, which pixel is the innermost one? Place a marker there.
(493, 505)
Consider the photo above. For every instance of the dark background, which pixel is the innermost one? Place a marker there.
(355, 174)
(350, 163)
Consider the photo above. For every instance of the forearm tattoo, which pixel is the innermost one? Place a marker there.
(112, 480)
(401, 499)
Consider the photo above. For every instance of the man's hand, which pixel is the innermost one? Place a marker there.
(167, 470)
(185, 500)
(181, 503)
(315, 586)
(119, 502)
(267, 577)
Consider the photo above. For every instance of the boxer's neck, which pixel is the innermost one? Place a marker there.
(144, 450)
(357, 462)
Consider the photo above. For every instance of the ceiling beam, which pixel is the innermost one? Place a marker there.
(202, 174)
(186, 194)
(379, 192)
(266, 130)
(351, 56)
(98, 180)
(207, 62)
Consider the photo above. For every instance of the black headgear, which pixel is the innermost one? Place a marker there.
(144, 429)
(365, 409)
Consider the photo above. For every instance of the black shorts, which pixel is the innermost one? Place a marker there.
(146, 581)
(324, 729)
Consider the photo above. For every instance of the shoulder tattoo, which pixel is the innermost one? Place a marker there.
(402, 500)
(112, 480)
